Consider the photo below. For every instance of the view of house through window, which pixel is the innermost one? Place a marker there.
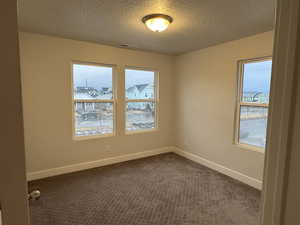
(93, 99)
(141, 99)
(253, 102)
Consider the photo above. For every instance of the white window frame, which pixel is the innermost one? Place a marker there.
(113, 100)
(240, 103)
(155, 100)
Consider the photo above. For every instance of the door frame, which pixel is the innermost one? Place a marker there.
(13, 184)
(279, 129)
(284, 72)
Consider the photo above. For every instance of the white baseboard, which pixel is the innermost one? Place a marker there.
(108, 161)
(212, 165)
(93, 164)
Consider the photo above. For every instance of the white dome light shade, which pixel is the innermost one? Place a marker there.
(157, 22)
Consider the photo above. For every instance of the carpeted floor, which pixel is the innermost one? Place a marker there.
(160, 190)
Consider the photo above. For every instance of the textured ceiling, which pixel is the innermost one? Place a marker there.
(197, 23)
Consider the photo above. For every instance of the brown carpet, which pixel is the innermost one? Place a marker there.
(160, 190)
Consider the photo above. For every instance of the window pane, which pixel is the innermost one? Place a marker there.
(256, 83)
(92, 118)
(139, 84)
(92, 82)
(140, 116)
(253, 125)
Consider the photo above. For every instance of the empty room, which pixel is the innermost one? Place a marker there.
(153, 112)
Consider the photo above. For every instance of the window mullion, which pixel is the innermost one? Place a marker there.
(250, 104)
(95, 100)
(140, 100)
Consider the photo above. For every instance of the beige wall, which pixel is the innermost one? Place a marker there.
(46, 80)
(204, 94)
(205, 102)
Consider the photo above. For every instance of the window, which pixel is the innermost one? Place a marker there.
(93, 100)
(253, 102)
(141, 100)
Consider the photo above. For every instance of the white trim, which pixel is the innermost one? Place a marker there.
(142, 68)
(155, 100)
(93, 164)
(90, 137)
(251, 148)
(222, 169)
(239, 103)
(94, 100)
(141, 100)
(150, 130)
(123, 158)
(113, 100)
(279, 133)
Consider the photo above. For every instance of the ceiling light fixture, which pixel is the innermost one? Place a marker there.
(157, 22)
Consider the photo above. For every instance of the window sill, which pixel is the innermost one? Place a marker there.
(141, 131)
(251, 148)
(83, 138)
